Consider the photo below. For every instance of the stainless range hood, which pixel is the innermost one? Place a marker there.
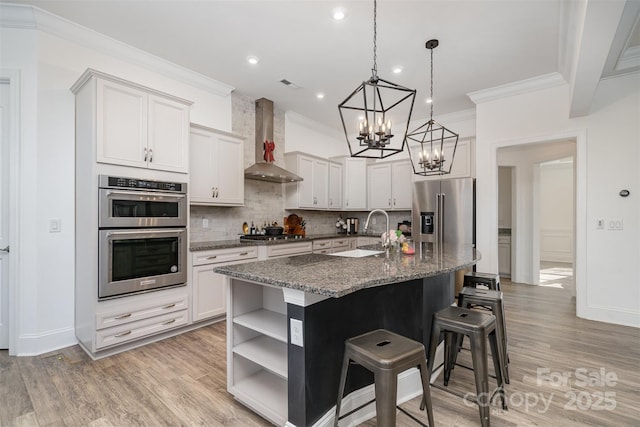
(263, 170)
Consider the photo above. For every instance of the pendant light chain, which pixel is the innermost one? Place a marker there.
(431, 106)
(374, 70)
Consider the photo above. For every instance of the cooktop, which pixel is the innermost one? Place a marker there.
(271, 237)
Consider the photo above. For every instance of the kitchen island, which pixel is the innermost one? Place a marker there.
(288, 318)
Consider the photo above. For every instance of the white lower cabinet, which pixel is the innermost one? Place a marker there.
(328, 246)
(257, 349)
(364, 241)
(122, 323)
(210, 289)
(504, 256)
(285, 250)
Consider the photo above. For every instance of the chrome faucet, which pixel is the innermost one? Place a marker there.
(366, 225)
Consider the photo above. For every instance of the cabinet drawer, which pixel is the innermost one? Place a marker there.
(135, 330)
(504, 240)
(140, 312)
(224, 255)
(321, 244)
(340, 243)
(288, 249)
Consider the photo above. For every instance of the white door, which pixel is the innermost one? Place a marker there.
(168, 134)
(401, 185)
(230, 162)
(379, 186)
(4, 215)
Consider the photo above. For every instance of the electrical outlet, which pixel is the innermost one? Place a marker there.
(296, 332)
(205, 223)
(600, 224)
(55, 225)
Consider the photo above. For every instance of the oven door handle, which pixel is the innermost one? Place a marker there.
(154, 231)
(130, 195)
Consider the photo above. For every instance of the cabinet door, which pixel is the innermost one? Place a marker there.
(229, 161)
(321, 184)
(202, 173)
(355, 184)
(504, 259)
(305, 187)
(461, 167)
(401, 185)
(335, 186)
(168, 135)
(379, 186)
(209, 293)
(121, 125)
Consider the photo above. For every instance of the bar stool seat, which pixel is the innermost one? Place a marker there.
(475, 278)
(386, 354)
(469, 297)
(478, 326)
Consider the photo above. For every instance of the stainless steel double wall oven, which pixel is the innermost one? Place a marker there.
(142, 235)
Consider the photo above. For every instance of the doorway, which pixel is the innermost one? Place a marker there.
(5, 126)
(535, 233)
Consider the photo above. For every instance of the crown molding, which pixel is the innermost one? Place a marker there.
(312, 124)
(545, 81)
(31, 17)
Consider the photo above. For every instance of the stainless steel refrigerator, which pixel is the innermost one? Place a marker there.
(443, 212)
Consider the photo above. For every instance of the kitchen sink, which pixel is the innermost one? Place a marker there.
(357, 253)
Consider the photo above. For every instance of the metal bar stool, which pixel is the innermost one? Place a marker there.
(469, 297)
(479, 327)
(386, 354)
(474, 278)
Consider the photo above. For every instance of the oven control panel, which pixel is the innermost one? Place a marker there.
(105, 181)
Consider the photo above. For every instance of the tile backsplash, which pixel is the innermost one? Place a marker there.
(264, 201)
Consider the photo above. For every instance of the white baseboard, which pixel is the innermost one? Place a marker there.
(35, 344)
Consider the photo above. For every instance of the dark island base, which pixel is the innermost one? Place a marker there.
(314, 370)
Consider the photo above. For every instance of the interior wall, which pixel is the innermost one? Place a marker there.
(504, 197)
(556, 211)
(607, 285)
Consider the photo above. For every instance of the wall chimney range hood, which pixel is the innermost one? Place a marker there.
(263, 169)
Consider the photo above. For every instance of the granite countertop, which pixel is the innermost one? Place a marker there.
(234, 243)
(334, 276)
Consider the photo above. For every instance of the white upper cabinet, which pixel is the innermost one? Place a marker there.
(354, 183)
(313, 191)
(335, 186)
(138, 127)
(401, 185)
(216, 167)
(390, 185)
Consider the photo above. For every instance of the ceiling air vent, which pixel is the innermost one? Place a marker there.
(289, 84)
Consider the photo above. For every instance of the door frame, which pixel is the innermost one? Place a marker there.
(12, 77)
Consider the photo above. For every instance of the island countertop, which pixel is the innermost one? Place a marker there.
(335, 276)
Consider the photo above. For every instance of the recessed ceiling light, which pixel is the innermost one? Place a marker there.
(338, 14)
(320, 95)
(397, 69)
(253, 60)
(429, 100)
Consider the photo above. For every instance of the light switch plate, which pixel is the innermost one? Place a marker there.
(55, 225)
(296, 332)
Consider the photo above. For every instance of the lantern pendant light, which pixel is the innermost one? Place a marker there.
(427, 144)
(372, 112)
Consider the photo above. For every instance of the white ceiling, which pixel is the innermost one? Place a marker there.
(483, 44)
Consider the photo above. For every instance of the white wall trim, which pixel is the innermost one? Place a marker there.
(13, 77)
(31, 17)
(545, 81)
(35, 344)
(556, 244)
(580, 136)
(312, 124)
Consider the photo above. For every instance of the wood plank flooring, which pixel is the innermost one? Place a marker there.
(181, 381)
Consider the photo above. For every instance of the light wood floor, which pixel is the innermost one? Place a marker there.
(181, 380)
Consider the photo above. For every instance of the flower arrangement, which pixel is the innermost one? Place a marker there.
(395, 237)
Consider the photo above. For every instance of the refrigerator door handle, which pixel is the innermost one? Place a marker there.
(442, 207)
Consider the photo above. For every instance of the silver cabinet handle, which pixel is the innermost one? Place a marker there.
(150, 155)
(394, 201)
(123, 316)
(244, 253)
(169, 306)
(6, 249)
(168, 322)
(145, 154)
(212, 257)
(389, 202)
(123, 334)
(213, 192)
(347, 202)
